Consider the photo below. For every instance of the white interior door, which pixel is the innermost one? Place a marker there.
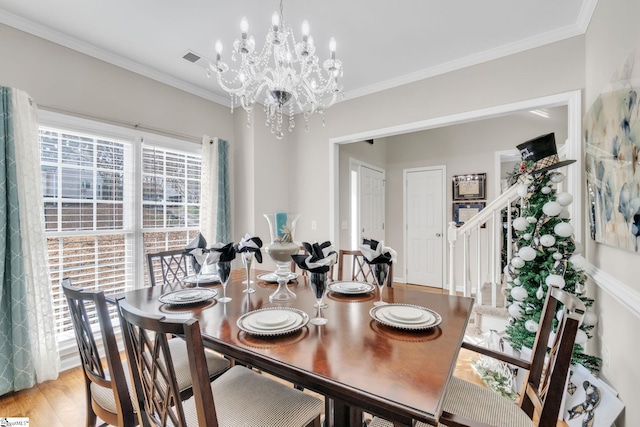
(371, 190)
(424, 201)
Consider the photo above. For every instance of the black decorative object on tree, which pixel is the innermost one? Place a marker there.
(544, 249)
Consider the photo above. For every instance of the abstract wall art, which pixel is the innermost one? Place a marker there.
(612, 137)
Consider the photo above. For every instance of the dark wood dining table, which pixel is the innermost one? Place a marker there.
(356, 362)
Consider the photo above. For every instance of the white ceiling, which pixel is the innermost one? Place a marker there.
(382, 43)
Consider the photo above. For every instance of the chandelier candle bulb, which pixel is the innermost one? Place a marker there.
(244, 27)
(305, 31)
(332, 47)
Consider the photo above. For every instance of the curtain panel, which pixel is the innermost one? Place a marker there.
(28, 348)
(215, 211)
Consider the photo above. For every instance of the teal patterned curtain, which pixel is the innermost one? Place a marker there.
(223, 219)
(17, 369)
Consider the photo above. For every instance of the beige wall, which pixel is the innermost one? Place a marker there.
(612, 36)
(547, 70)
(58, 77)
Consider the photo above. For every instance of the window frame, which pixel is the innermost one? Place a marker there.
(137, 139)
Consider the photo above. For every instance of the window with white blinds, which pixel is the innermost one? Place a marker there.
(170, 199)
(97, 204)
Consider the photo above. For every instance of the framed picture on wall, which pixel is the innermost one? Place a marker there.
(463, 212)
(470, 187)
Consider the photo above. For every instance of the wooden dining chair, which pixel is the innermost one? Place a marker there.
(468, 404)
(358, 268)
(238, 398)
(108, 388)
(173, 264)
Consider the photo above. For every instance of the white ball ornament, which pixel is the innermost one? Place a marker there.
(547, 240)
(526, 236)
(540, 292)
(564, 199)
(551, 208)
(519, 293)
(555, 280)
(590, 318)
(560, 315)
(557, 178)
(531, 325)
(564, 214)
(523, 190)
(527, 253)
(581, 337)
(514, 310)
(532, 219)
(520, 224)
(563, 229)
(578, 261)
(516, 281)
(517, 262)
(557, 256)
(545, 190)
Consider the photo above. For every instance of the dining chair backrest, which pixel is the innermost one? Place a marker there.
(152, 367)
(84, 306)
(551, 359)
(357, 267)
(172, 264)
(547, 372)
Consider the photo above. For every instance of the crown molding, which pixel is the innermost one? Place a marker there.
(584, 17)
(480, 57)
(107, 56)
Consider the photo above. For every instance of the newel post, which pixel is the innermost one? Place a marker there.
(452, 236)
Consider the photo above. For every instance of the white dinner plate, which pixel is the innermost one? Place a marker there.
(273, 321)
(387, 314)
(405, 316)
(204, 279)
(273, 277)
(187, 296)
(351, 288)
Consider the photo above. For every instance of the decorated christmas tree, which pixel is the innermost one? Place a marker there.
(544, 249)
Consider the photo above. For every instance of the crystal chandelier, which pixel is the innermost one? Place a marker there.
(288, 72)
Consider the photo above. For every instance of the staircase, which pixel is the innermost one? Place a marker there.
(475, 261)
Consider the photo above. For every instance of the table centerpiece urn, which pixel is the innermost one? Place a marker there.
(282, 226)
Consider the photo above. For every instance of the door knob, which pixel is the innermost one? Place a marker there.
(438, 234)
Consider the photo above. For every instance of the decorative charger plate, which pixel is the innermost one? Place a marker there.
(351, 288)
(405, 316)
(187, 296)
(204, 279)
(273, 277)
(273, 321)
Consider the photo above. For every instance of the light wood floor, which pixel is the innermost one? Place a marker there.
(61, 403)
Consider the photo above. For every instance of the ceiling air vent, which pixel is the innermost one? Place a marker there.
(195, 58)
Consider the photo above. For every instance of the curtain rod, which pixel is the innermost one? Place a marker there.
(121, 123)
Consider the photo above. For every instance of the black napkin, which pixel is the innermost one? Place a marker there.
(318, 259)
(250, 244)
(376, 253)
(221, 252)
(197, 248)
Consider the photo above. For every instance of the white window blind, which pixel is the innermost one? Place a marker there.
(170, 199)
(97, 204)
